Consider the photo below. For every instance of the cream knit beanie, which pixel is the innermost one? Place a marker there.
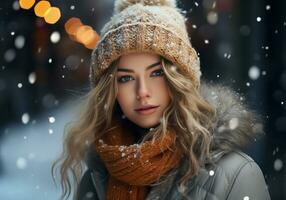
(155, 26)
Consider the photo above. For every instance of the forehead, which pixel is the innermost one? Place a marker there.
(138, 60)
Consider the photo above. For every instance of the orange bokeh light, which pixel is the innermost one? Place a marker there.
(52, 15)
(76, 30)
(81, 33)
(93, 40)
(41, 8)
(26, 4)
(72, 25)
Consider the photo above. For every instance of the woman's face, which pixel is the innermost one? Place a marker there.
(142, 83)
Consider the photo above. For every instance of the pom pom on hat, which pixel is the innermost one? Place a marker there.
(120, 5)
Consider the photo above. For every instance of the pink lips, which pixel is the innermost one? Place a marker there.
(145, 107)
(146, 110)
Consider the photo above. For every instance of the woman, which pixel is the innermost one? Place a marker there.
(150, 128)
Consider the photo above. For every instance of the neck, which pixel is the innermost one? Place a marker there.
(138, 131)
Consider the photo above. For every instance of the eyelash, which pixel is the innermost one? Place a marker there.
(120, 78)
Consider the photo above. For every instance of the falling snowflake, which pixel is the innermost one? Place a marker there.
(247, 84)
(55, 37)
(121, 148)
(212, 17)
(233, 123)
(51, 131)
(258, 19)
(254, 72)
(50, 60)
(9, 55)
(246, 198)
(72, 7)
(174, 68)
(89, 195)
(196, 3)
(21, 163)
(32, 78)
(52, 120)
(184, 12)
(194, 26)
(268, 7)
(12, 33)
(278, 164)
(182, 188)
(19, 42)
(16, 5)
(263, 73)
(207, 41)
(227, 55)
(25, 118)
(20, 85)
(211, 172)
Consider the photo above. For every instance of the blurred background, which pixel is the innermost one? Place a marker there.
(43, 74)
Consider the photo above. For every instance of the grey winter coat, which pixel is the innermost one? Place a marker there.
(235, 175)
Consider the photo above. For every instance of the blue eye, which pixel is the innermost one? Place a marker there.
(158, 72)
(124, 79)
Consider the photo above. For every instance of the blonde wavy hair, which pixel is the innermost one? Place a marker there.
(188, 114)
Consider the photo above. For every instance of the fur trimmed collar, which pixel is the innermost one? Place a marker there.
(236, 125)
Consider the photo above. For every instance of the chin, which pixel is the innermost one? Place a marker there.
(147, 124)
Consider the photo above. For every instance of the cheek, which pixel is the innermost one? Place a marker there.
(162, 89)
(124, 95)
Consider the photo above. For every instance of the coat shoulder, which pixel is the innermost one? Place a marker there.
(234, 176)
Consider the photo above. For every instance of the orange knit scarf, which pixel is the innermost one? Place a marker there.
(132, 168)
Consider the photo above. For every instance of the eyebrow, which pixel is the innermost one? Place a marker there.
(130, 70)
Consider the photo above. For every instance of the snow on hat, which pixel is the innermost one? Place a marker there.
(154, 26)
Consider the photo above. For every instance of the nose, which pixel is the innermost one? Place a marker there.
(142, 89)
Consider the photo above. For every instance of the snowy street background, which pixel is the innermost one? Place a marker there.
(44, 72)
(26, 155)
